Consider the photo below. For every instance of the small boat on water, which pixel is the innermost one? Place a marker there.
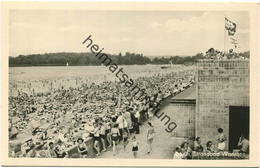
(165, 67)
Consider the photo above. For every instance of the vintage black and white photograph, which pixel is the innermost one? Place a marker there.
(129, 84)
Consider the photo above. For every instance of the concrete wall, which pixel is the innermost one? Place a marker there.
(183, 114)
(220, 84)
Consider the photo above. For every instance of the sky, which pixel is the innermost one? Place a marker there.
(152, 33)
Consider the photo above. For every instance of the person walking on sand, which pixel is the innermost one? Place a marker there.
(97, 138)
(103, 136)
(135, 147)
(115, 137)
(150, 136)
(125, 138)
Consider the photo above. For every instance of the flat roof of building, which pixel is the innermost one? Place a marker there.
(188, 94)
(223, 60)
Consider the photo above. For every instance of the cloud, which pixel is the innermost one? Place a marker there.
(154, 25)
(127, 29)
(205, 22)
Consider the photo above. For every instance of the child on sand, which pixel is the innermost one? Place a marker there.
(135, 147)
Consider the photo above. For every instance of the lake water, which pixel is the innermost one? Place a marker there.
(40, 78)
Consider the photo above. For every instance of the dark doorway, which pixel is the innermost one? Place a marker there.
(238, 124)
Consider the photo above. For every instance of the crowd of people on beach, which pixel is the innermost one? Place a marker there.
(51, 124)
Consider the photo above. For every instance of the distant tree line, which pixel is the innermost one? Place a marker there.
(80, 59)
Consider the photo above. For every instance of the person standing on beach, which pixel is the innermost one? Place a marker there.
(115, 133)
(150, 136)
(125, 138)
(137, 122)
(127, 117)
(135, 147)
(108, 132)
(120, 121)
(97, 138)
(103, 136)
